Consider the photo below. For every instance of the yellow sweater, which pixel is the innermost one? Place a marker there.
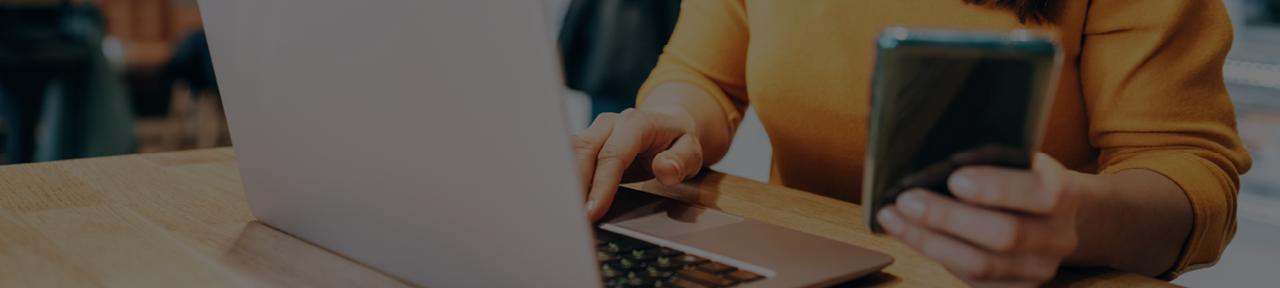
(1141, 88)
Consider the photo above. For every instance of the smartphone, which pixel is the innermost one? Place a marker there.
(942, 99)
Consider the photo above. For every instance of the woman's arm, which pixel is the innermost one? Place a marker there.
(678, 129)
(1151, 75)
(1163, 199)
(1135, 220)
(690, 103)
(689, 108)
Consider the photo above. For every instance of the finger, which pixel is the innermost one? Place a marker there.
(678, 163)
(966, 261)
(1007, 284)
(992, 230)
(586, 145)
(615, 155)
(1015, 189)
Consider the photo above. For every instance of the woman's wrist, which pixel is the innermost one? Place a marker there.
(1094, 191)
(1135, 220)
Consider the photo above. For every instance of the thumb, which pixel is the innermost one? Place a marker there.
(681, 161)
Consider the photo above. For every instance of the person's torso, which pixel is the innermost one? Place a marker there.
(809, 69)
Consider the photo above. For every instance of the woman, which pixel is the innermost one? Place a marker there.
(1140, 164)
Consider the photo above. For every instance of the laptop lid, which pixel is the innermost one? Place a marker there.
(423, 138)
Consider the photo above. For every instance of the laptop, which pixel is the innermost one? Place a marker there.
(427, 139)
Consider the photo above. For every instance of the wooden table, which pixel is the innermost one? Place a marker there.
(180, 219)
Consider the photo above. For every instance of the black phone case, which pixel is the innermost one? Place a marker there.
(946, 99)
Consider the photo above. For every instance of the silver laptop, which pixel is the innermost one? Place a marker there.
(427, 139)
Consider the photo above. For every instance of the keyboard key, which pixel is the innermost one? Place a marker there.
(685, 283)
(605, 257)
(608, 271)
(614, 247)
(628, 264)
(689, 259)
(655, 272)
(641, 255)
(704, 277)
(666, 263)
(612, 282)
(742, 276)
(635, 280)
(716, 267)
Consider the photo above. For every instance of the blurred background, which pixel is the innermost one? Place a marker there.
(104, 77)
(91, 78)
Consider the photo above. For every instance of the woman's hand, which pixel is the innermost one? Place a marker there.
(634, 146)
(1006, 227)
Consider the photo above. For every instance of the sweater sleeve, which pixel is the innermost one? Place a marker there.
(707, 49)
(1151, 73)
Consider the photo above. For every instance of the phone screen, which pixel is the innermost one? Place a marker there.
(939, 103)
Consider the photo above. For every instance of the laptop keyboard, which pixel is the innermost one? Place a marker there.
(630, 262)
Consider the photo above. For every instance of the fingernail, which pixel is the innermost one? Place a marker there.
(960, 181)
(889, 221)
(591, 204)
(910, 204)
(677, 165)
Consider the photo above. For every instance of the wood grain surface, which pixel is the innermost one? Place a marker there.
(180, 220)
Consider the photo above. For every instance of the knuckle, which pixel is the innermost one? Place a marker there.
(935, 215)
(1040, 270)
(604, 117)
(629, 113)
(1054, 191)
(981, 268)
(632, 120)
(583, 145)
(1071, 244)
(609, 152)
(642, 125)
(1012, 237)
(1043, 275)
(913, 236)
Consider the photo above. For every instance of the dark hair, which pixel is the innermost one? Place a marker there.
(1036, 11)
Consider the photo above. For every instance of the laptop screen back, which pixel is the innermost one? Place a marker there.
(423, 138)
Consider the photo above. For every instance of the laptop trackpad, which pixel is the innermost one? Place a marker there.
(662, 217)
(671, 223)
